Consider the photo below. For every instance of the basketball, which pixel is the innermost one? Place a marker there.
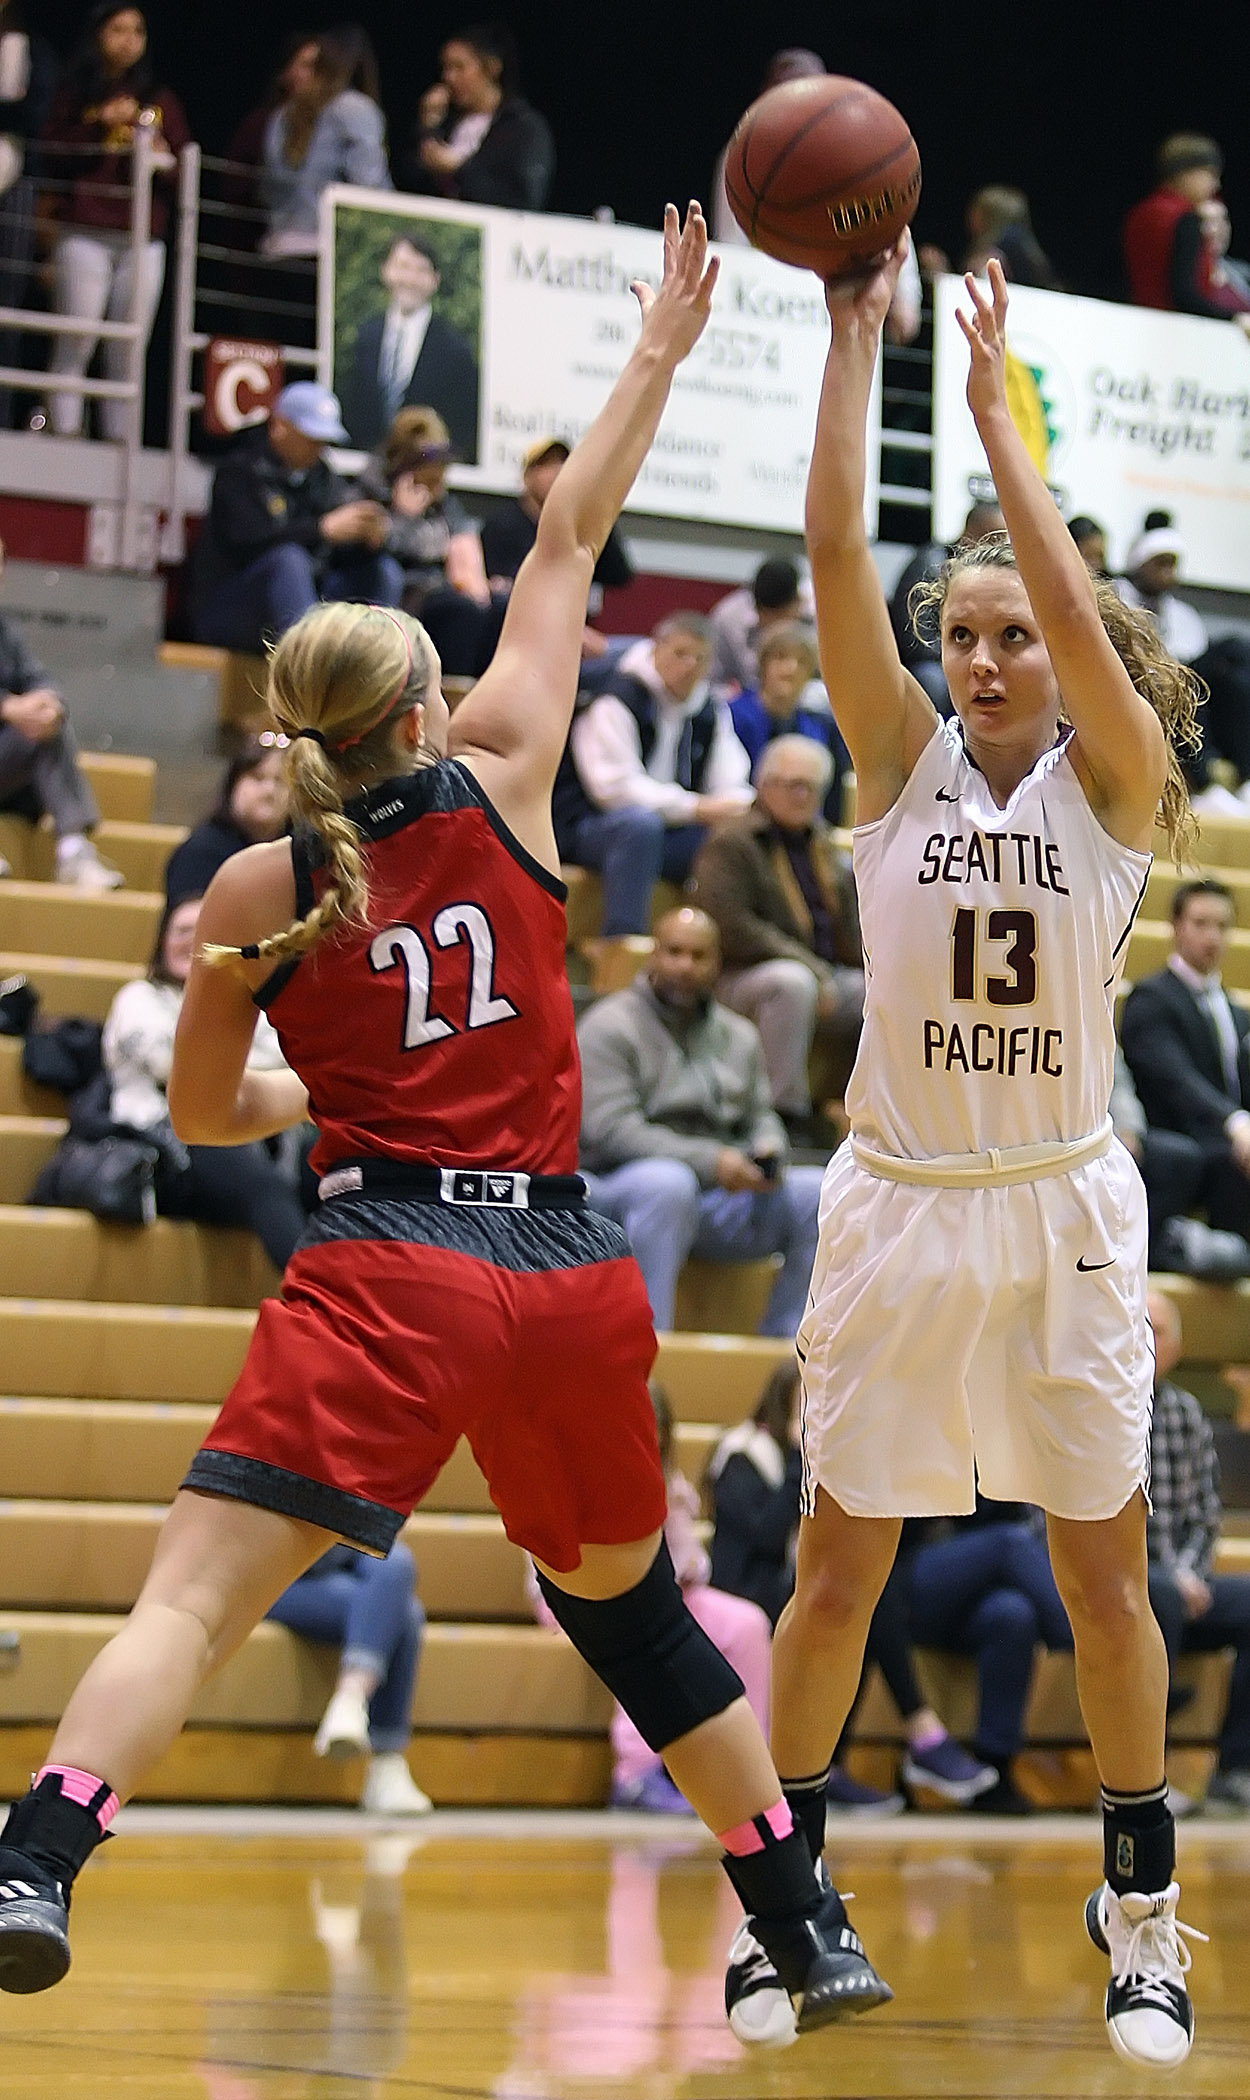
(823, 173)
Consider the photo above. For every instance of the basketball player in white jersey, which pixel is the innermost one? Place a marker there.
(977, 1307)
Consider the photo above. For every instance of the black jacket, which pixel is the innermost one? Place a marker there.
(1173, 1055)
(193, 864)
(257, 503)
(509, 533)
(513, 166)
(755, 1523)
(445, 377)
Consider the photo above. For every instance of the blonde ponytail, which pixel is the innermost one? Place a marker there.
(338, 680)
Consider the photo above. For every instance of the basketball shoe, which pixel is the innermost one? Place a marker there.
(839, 1980)
(34, 1921)
(1149, 2015)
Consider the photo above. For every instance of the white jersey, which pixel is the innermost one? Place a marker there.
(994, 940)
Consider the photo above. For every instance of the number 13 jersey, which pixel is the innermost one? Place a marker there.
(442, 1032)
(994, 940)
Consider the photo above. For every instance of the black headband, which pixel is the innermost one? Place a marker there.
(314, 736)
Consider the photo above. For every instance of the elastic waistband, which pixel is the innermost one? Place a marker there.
(488, 1188)
(999, 1168)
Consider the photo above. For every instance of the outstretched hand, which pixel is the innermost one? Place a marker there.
(675, 317)
(986, 335)
(859, 301)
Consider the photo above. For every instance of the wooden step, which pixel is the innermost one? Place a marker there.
(20, 1096)
(94, 1556)
(471, 1677)
(70, 1254)
(139, 851)
(510, 1770)
(71, 986)
(46, 918)
(139, 1450)
(1223, 842)
(720, 1297)
(584, 904)
(26, 1144)
(1164, 880)
(239, 679)
(1053, 1715)
(123, 786)
(63, 1348)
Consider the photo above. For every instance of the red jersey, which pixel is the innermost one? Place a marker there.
(444, 1032)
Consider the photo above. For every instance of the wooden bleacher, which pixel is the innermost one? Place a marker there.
(118, 1343)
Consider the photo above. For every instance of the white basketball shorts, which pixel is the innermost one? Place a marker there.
(978, 1335)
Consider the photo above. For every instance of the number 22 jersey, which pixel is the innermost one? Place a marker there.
(994, 940)
(443, 1032)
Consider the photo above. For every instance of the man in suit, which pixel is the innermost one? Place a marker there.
(1186, 1043)
(410, 357)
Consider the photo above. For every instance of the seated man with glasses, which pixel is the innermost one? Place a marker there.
(783, 900)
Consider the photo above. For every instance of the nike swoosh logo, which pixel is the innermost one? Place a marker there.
(942, 796)
(1087, 1267)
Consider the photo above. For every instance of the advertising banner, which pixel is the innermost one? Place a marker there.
(1124, 410)
(514, 326)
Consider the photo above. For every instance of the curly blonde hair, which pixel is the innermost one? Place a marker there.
(1170, 688)
(338, 680)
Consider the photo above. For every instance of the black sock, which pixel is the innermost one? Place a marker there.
(1138, 1841)
(780, 1893)
(53, 1831)
(805, 1799)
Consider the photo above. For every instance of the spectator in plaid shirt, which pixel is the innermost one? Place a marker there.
(1197, 1610)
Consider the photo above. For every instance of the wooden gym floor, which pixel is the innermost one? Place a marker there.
(254, 1955)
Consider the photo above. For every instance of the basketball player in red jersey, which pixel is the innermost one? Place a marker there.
(409, 946)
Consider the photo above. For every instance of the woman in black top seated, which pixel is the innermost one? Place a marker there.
(251, 809)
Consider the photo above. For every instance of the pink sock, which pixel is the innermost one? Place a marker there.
(82, 1788)
(930, 1739)
(746, 1838)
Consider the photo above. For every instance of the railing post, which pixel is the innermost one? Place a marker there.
(142, 164)
(174, 542)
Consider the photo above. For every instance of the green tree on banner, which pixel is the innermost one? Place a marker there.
(362, 237)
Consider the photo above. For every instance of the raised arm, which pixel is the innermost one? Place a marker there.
(1118, 750)
(884, 715)
(513, 724)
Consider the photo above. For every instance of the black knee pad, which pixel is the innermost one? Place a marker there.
(651, 1654)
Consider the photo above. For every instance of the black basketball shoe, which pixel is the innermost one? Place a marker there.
(837, 1978)
(34, 1915)
(1150, 2019)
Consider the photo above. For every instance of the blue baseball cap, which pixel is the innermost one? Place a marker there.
(312, 410)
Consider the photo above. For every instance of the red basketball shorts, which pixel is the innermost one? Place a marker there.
(404, 1325)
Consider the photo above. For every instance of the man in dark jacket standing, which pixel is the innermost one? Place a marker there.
(282, 530)
(1186, 1045)
(783, 899)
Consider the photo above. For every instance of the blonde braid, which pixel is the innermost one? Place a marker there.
(338, 679)
(1170, 688)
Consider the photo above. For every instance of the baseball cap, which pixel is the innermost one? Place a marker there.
(313, 410)
(1162, 539)
(542, 448)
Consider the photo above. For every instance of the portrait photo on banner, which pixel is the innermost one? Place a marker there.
(407, 322)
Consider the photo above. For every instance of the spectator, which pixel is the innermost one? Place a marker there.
(754, 1479)
(1091, 543)
(795, 63)
(652, 760)
(1198, 1610)
(1227, 275)
(109, 90)
(510, 531)
(410, 357)
(738, 1628)
(435, 543)
(920, 653)
(39, 771)
(679, 1137)
(252, 807)
(1169, 262)
(1153, 565)
(220, 1184)
(283, 529)
(371, 1608)
(788, 664)
(1186, 1045)
(328, 128)
(783, 900)
(998, 223)
(983, 1587)
(1150, 572)
(28, 72)
(1171, 1167)
(477, 138)
(742, 618)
